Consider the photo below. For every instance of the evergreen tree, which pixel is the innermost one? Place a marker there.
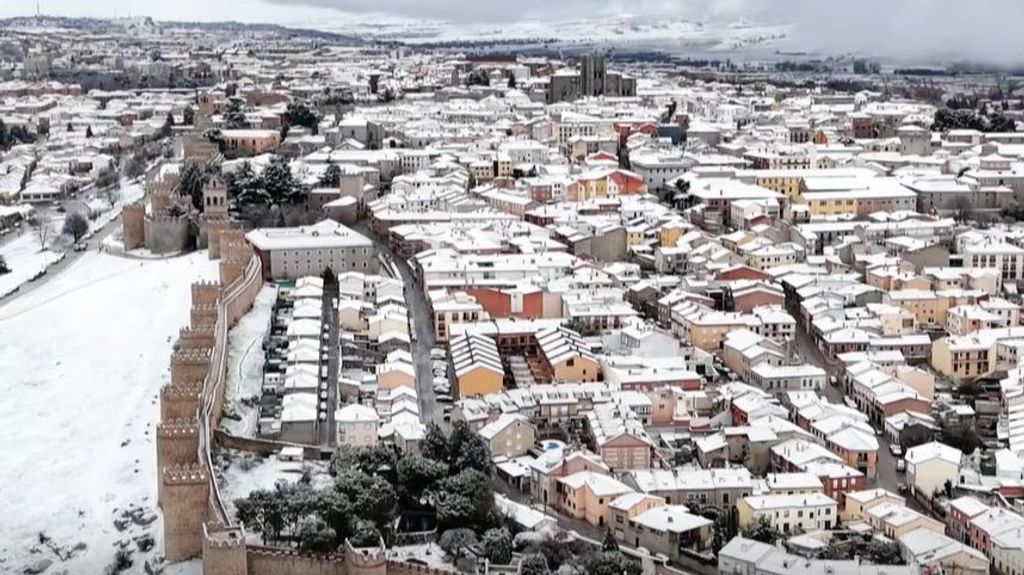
(534, 564)
(279, 182)
(234, 116)
(465, 499)
(467, 450)
(435, 444)
(4, 268)
(416, 474)
(455, 541)
(883, 553)
(331, 176)
(762, 530)
(300, 114)
(88, 131)
(498, 546)
(245, 188)
(191, 180)
(609, 543)
(611, 563)
(188, 117)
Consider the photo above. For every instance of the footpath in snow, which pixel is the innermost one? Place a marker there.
(82, 360)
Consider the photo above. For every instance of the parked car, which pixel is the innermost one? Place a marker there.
(81, 247)
(901, 465)
(438, 354)
(896, 449)
(444, 398)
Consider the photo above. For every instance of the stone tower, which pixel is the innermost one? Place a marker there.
(215, 199)
(186, 494)
(224, 550)
(177, 444)
(133, 227)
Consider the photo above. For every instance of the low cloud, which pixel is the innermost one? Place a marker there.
(985, 30)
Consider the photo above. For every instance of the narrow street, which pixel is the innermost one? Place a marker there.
(888, 478)
(422, 328)
(328, 427)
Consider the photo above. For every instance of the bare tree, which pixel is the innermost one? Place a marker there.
(42, 227)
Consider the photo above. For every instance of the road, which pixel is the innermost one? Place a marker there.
(423, 326)
(70, 257)
(887, 476)
(328, 431)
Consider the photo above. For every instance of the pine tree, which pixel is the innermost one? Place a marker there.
(191, 180)
(609, 543)
(331, 176)
(234, 116)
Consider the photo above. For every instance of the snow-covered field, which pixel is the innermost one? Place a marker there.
(24, 258)
(245, 364)
(82, 360)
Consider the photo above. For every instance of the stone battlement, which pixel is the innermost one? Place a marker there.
(178, 428)
(197, 331)
(180, 401)
(218, 536)
(191, 356)
(196, 337)
(325, 558)
(188, 474)
(205, 293)
(366, 555)
(182, 391)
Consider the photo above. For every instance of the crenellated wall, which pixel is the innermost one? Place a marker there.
(273, 561)
(197, 337)
(194, 516)
(186, 491)
(189, 365)
(180, 401)
(176, 442)
(224, 553)
(190, 411)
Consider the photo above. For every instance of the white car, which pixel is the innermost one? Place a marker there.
(438, 353)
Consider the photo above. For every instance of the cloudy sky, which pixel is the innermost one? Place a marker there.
(987, 30)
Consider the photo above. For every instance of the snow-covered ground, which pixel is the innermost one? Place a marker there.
(239, 474)
(245, 365)
(24, 258)
(23, 254)
(82, 360)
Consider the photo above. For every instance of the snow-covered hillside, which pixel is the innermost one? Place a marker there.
(82, 360)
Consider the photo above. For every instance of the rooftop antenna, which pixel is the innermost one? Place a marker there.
(38, 9)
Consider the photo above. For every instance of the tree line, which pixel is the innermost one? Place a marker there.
(373, 487)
